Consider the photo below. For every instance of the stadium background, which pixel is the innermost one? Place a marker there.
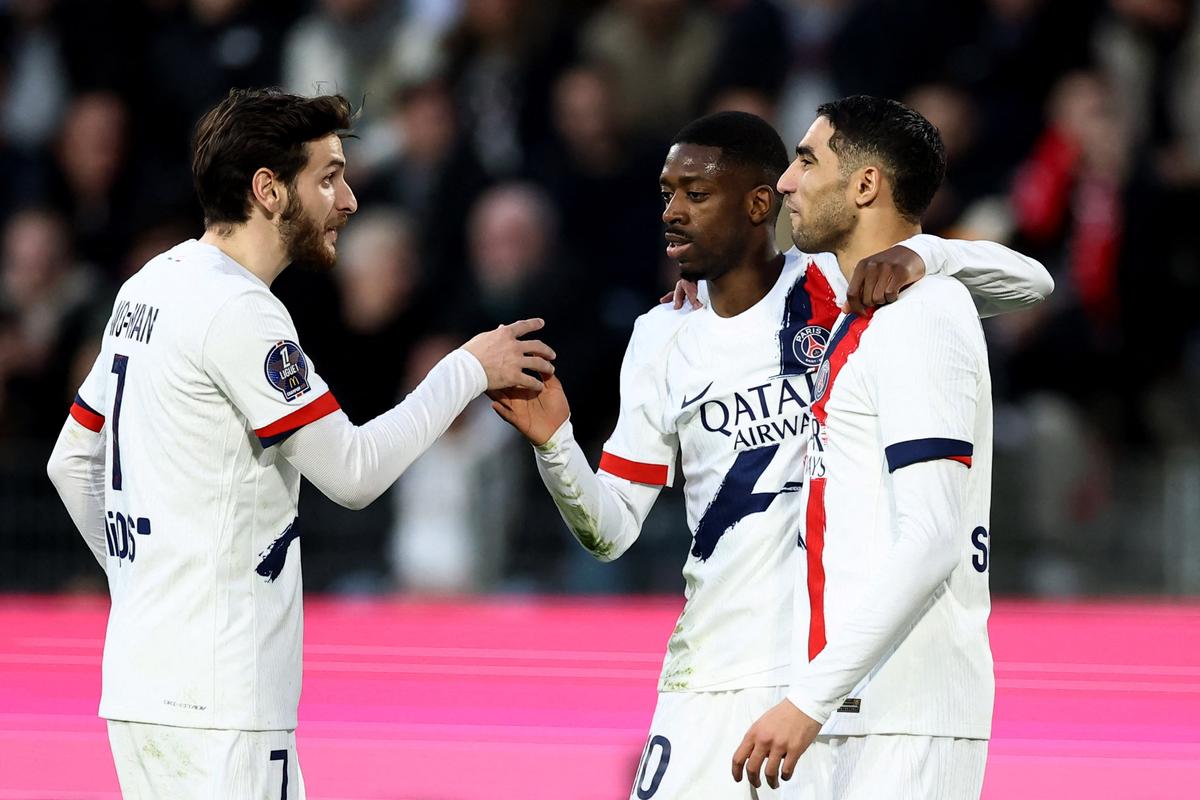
(506, 166)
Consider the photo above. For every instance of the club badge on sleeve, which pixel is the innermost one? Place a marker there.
(287, 369)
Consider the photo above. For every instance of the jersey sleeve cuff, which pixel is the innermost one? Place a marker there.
(281, 429)
(559, 439)
(914, 451)
(474, 366)
(86, 416)
(636, 471)
(931, 251)
(821, 712)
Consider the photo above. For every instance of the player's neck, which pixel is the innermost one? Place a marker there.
(871, 236)
(747, 283)
(254, 244)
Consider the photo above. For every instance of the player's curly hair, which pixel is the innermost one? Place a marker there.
(251, 129)
(907, 146)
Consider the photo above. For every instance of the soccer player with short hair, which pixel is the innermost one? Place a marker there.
(892, 663)
(727, 387)
(181, 459)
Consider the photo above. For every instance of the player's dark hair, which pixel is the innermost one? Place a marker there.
(249, 130)
(908, 147)
(745, 140)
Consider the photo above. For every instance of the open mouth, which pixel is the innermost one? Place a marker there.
(677, 245)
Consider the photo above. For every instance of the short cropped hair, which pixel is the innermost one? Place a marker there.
(908, 147)
(744, 139)
(249, 130)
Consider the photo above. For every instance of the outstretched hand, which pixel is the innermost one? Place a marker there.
(878, 280)
(505, 356)
(537, 415)
(779, 738)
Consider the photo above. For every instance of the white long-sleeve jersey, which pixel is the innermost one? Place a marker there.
(892, 604)
(731, 397)
(181, 463)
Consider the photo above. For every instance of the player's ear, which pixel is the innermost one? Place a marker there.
(867, 183)
(268, 191)
(760, 201)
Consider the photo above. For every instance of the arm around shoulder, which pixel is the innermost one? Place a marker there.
(1000, 279)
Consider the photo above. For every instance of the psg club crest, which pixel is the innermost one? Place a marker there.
(822, 381)
(287, 369)
(810, 344)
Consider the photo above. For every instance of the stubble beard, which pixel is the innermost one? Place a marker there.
(827, 227)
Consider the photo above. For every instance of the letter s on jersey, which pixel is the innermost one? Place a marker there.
(980, 539)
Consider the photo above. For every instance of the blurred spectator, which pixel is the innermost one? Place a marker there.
(95, 192)
(364, 49)
(377, 277)
(1150, 51)
(1006, 53)
(971, 172)
(500, 59)
(595, 170)
(776, 58)
(433, 175)
(1067, 195)
(45, 297)
(519, 269)
(515, 265)
(755, 50)
(196, 51)
(37, 90)
(456, 543)
(661, 53)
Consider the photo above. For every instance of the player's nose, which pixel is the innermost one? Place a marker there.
(674, 212)
(349, 203)
(787, 181)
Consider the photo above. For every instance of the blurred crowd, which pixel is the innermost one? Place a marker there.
(506, 161)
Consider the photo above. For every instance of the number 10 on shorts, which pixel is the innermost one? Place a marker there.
(658, 751)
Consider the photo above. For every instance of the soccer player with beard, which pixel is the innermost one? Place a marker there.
(728, 388)
(181, 459)
(892, 665)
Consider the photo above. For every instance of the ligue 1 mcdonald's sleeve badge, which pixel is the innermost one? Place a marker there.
(287, 369)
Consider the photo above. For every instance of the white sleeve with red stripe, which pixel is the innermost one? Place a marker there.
(352, 465)
(252, 353)
(1000, 280)
(640, 449)
(604, 513)
(88, 408)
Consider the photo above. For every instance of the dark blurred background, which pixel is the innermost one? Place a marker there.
(507, 166)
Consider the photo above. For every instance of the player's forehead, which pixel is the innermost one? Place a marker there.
(325, 152)
(816, 138)
(686, 160)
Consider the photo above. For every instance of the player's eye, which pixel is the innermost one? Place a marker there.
(666, 196)
(697, 197)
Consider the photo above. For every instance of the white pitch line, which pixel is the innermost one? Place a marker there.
(1097, 669)
(1100, 686)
